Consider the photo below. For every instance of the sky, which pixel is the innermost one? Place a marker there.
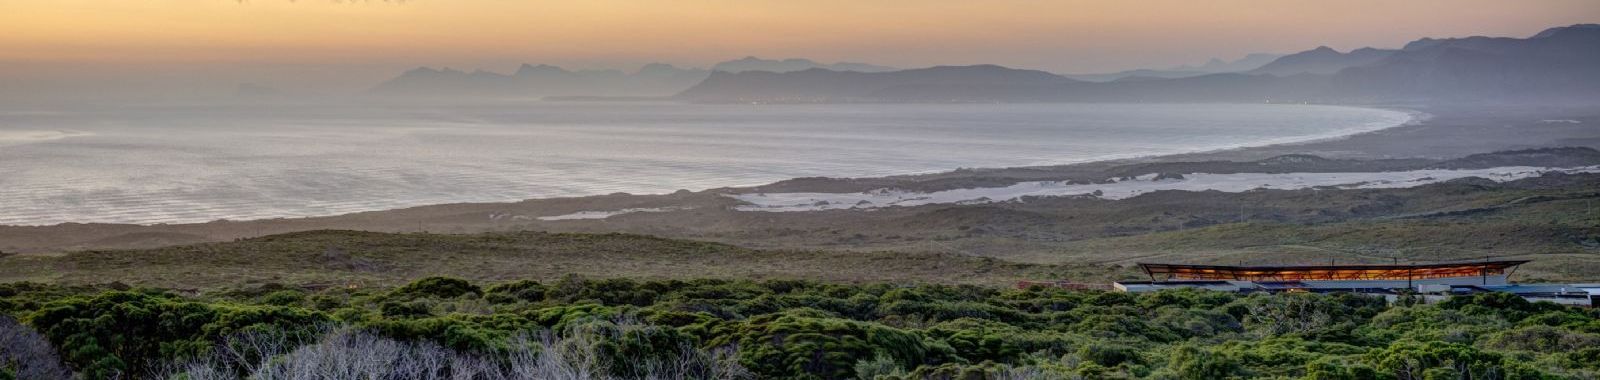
(68, 46)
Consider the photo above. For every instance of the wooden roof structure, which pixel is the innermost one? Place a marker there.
(1329, 272)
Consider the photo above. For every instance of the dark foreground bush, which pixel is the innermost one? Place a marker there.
(587, 351)
(24, 354)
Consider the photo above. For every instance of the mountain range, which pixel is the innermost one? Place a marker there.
(821, 85)
(1213, 66)
(794, 64)
(1557, 65)
(533, 81)
(1248, 62)
(1322, 60)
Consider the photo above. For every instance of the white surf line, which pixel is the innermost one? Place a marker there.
(607, 214)
(26, 136)
(1239, 182)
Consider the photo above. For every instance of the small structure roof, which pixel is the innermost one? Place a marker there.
(1328, 272)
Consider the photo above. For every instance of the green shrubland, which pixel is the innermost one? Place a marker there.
(783, 329)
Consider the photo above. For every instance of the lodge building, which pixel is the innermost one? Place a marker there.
(1430, 280)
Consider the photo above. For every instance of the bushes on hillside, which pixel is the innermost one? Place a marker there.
(596, 350)
(524, 290)
(440, 287)
(716, 329)
(119, 333)
(799, 344)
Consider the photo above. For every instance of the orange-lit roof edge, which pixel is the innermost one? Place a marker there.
(1330, 272)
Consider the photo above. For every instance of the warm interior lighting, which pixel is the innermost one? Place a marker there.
(1327, 272)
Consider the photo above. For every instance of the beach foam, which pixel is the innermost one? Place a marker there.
(18, 137)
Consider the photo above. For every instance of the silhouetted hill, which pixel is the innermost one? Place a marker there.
(1139, 73)
(1322, 60)
(1247, 63)
(793, 64)
(535, 81)
(829, 85)
(1546, 157)
(531, 81)
(1213, 66)
(986, 83)
(1557, 65)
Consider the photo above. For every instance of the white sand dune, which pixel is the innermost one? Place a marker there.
(1239, 182)
(606, 214)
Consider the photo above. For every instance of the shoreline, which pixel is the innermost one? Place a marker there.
(1405, 117)
(1413, 117)
(1447, 132)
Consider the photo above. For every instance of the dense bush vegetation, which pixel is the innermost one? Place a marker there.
(713, 329)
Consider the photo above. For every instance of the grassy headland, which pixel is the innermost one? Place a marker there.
(361, 259)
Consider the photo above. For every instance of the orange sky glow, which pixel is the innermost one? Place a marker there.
(375, 38)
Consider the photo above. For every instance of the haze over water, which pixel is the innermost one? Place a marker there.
(196, 164)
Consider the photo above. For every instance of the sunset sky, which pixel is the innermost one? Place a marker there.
(336, 45)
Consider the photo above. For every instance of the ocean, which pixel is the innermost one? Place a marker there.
(202, 163)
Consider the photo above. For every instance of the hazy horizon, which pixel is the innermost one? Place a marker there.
(194, 49)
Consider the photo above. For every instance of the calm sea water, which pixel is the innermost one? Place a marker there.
(195, 164)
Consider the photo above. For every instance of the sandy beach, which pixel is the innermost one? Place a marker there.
(1449, 131)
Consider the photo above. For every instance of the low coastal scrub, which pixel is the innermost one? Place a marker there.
(576, 328)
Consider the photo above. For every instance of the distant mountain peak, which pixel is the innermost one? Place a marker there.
(1547, 33)
(981, 66)
(527, 69)
(1321, 60)
(753, 63)
(1557, 64)
(657, 66)
(942, 83)
(1212, 66)
(421, 70)
(537, 80)
(755, 59)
